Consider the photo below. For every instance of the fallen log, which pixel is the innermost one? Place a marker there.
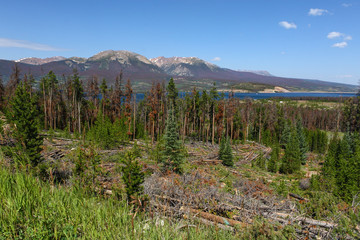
(211, 161)
(214, 218)
(298, 197)
(307, 220)
(210, 223)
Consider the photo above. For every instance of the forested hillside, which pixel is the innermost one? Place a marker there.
(87, 160)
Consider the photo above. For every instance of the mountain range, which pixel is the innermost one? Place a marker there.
(186, 71)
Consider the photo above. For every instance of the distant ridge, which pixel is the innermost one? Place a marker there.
(187, 72)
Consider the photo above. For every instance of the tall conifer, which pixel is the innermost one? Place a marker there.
(173, 157)
(172, 93)
(227, 156)
(133, 176)
(23, 115)
(291, 161)
(302, 141)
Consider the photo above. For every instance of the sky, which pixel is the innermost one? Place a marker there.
(311, 39)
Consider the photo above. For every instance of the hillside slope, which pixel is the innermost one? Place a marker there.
(187, 72)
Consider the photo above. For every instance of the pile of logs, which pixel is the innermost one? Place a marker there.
(55, 155)
(178, 196)
(249, 152)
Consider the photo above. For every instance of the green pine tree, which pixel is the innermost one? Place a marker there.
(302, 141)
(133, 176)
(344, 168)
(285, 135)
(172, 93)
(329, 170)
(23, 114)
(172, 155)
(274, 157)
(227, 156)
(103, 132)
(291, 161)
(222, 147)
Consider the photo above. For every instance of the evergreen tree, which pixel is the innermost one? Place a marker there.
(343, 168)
(222, 147)
(329, 170)
(285, 135)
(274, 157)
(356, 164)
(291, 161)
(227, 156)
(172, 158)
(132, 176)
(103, 132)
(302, 141)
(172, 93)
(23, 114)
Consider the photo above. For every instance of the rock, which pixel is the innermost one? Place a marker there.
(304, 183)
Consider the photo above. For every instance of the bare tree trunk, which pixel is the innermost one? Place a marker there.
(45, 115)
(50, 111)
(213, 127)
(207, 132)
(184, 131)
(260, 127)
(153, 131)
(200, 129)
(79, 117)
(145, 124)
(134, 130)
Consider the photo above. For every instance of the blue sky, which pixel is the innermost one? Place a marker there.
(313, 39)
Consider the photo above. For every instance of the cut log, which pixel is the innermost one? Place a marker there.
(214, 218)
(210, 223)
(298, 197)
(307, 220)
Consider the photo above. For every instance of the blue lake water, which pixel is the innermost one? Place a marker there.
(140, 96)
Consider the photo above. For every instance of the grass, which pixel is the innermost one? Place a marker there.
(31, 209)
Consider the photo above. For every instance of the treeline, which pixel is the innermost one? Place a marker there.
(78, 107)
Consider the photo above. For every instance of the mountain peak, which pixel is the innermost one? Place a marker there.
(183, 66)
(176, 60)
(121, 56)
(40, 61)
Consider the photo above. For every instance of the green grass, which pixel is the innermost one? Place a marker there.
(31, 209)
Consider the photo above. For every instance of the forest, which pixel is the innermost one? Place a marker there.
(81, 158)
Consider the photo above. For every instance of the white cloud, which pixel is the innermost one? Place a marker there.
(317, 12)
(334, 35)
(344, 37)
(340, 45)
(5, 42)
(346, 4)
(287, 25)
(216, 59)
